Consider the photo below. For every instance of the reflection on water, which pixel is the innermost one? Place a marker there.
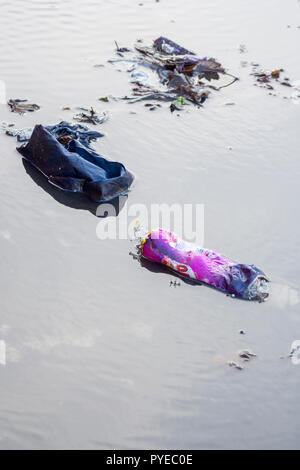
(74, 200)
(102, 353)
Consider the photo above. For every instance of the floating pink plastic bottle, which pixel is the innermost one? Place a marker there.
(205, 266)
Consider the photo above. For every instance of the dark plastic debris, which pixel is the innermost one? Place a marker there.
(167, 71)
(246, 354)
(21, 106)
(167, 46)
(91, 116)
(74, 166)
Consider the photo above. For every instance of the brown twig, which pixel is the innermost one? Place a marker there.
(228, 84)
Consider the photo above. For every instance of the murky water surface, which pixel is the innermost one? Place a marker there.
(101, 352)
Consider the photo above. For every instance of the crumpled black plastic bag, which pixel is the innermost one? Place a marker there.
(76, 167)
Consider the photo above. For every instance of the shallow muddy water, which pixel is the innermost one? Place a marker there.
(100, 351)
